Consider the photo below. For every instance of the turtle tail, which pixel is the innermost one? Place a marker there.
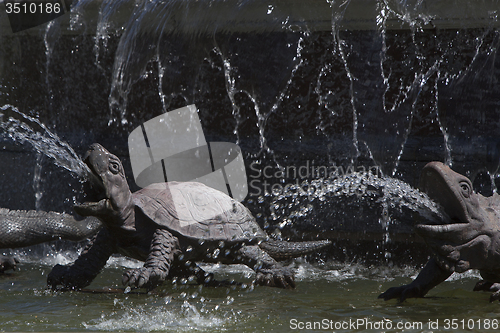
(280, 250)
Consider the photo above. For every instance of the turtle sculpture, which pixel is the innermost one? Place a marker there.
(467, 238)
(170, 226)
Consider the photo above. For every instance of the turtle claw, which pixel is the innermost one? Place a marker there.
(142, 281)
(129, 277)
(280, 278)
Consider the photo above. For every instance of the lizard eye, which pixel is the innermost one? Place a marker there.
(114, 167)
(466, 189)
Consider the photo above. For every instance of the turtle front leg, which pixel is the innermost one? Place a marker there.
(269, 271)
(164, 247)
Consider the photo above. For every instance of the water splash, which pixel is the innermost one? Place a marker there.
(177, 315)
(48, 254)
(23, 129)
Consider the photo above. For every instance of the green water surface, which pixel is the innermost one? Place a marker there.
(331, 297)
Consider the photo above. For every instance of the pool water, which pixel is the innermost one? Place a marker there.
(330, 296)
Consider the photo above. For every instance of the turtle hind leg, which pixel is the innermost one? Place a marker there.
(269, 271)
(164, 248)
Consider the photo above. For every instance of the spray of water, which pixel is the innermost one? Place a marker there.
(176, 315)
(338, 11)
(289, 208)
(23, 129)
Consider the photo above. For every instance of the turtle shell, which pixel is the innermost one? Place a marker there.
(197, 211)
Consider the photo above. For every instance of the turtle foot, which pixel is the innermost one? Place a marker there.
(277, 277)
(147, 277)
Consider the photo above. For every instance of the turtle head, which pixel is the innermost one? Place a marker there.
(109, 177)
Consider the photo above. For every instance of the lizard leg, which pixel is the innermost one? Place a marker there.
(84, 270)
(430, 276)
